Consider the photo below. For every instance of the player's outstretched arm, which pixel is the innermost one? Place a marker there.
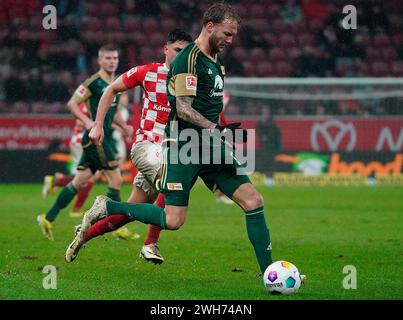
(186, 112)
(97, 132)
(74, 107)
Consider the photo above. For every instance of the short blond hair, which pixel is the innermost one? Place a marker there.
(107, 47)
(220, 11)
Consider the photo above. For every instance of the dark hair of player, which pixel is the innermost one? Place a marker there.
(179, 35)
(220, 11)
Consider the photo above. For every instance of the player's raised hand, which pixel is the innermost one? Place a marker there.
(97, 134)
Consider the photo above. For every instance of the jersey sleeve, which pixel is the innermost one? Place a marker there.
(135, 76)
(82, 93)
(184, 75)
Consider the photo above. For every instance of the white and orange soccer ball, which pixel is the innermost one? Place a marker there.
(282, 278)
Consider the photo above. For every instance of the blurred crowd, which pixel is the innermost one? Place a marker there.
(39, 69)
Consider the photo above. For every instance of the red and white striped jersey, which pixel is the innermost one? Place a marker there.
(79, 127)
(155, 107)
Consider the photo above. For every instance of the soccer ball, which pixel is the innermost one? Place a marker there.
(282, 277)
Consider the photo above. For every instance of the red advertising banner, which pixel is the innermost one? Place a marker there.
(343, 135)
(34, 132)
(335, 134)
(296, 134)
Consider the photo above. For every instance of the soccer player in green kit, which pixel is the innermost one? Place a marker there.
(94, 157)
(195, 86)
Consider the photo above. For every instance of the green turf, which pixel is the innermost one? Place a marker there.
(321, 230)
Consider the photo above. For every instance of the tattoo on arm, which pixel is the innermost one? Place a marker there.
(186, 112)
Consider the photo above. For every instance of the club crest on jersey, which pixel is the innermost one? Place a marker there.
(174, 186)
(191, 82)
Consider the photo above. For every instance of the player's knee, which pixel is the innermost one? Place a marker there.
(255, 200)
(174, 222)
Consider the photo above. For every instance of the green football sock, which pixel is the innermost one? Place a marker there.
(62, 201)
(143, 212)
(259, 236)
(114, 194)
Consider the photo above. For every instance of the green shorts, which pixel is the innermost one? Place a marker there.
(177, 179)
(97, 157)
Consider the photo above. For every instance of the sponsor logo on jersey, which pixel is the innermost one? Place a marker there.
(218, 87)
(209, 71)
(81, 91)
(158, 107)
(174, 186)
(191, 82)
(131, 71)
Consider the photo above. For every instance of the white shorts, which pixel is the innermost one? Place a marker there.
(76, 151)
(146, 157)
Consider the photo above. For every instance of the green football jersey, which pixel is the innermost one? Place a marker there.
(90, 92)
(194, 73)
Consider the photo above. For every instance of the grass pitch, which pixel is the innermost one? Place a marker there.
(320, 230)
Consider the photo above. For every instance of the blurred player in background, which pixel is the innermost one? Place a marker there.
(146, 150)
(51, 182)
(94, 157)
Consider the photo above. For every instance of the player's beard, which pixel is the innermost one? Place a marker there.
(213, 44)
